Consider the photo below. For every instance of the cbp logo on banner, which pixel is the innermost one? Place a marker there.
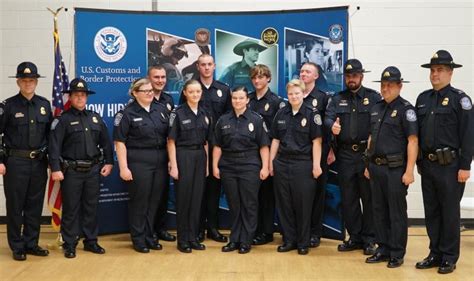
(110, 44)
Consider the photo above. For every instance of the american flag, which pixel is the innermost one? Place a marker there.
(60, 103)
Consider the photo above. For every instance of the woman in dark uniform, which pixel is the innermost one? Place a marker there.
(240, 160)
(295, 156)
(187, 148)
(140, 133)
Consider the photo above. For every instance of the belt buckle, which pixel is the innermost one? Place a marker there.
(355, 147)
(33, 154)
(431, 157)
(378, 161)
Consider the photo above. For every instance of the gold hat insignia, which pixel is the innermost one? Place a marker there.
(80, 85)
(349, 66)
(27, 70)
(386, 74)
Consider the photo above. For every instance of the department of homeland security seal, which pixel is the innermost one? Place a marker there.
(110, 44)
(269, 36)
(335, 33)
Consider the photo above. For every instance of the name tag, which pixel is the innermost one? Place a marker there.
(187, 121)
(421, 105)
(281, 121)
(137, 119)
(343, 103)
(225, 127)
(19, 115)
(74, 123)
(374, 113)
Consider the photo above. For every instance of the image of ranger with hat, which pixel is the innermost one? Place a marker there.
(24, 123)
(392, 152)
(446, 125)
(76, 140)
(237, 74)
(347, 117)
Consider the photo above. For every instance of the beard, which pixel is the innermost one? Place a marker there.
(353, 86)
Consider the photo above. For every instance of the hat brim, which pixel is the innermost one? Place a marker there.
(401, 81)
(453, 65)
(239, 50)
(72, 91)
(27, 76)
(357, 71)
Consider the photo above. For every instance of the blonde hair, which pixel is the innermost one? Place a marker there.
(296, 83)
(135, 86)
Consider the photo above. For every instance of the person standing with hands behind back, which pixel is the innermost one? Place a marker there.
(241, 160)
(295, 163)
(188, 154)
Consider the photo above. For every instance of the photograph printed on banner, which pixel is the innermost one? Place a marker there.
(177, 55)
(302, 47)
(237, 54)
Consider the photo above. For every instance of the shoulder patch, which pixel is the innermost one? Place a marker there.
(466, 103)
(54, 124)
(172, 117)
(1, 110)
(317, 120)
(118, 119)
(411, 115)
(282, 104)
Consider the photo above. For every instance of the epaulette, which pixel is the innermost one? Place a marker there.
(461, 92)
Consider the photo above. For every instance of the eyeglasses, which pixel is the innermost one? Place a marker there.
(149, 91)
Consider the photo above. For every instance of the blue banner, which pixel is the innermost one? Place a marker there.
(112, 52)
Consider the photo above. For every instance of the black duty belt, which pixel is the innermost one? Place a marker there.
(295, 156)
(30, 154)
(356, 147)
(244, 154)
(443, 156)
(80, 165)
(391, 160)
(191, 147)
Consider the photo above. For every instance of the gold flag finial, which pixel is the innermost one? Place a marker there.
(55, 14)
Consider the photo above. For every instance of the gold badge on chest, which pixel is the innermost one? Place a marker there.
(394, 113)
(445, 101)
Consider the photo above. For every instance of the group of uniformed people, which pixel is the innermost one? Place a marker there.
(266, 153)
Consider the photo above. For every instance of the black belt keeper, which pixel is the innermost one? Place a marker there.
(356, 147)
(29, 154)
(444, 156)
(244, 154)
(295, 156)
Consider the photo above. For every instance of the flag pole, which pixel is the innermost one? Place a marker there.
(59, 239)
